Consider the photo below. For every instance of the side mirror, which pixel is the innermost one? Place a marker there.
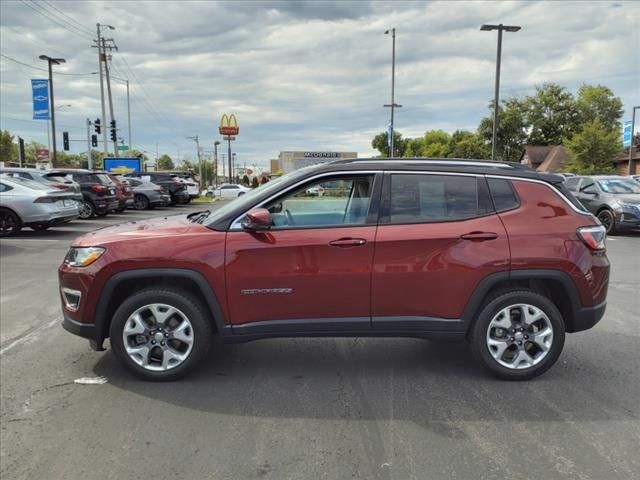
(257, 220)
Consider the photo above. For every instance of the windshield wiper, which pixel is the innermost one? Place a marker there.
(197, 217)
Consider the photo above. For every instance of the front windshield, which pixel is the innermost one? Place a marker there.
(619, 185)
(246, 200)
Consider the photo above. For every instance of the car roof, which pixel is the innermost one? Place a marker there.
(454, 165)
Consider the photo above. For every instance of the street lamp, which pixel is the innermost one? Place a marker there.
(52, 61)
(233, 165)
(392, 105)
(126, 82)
(633, 126)
(215, 157)
(500, 28)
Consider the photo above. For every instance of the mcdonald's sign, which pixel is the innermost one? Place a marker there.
(228, 125)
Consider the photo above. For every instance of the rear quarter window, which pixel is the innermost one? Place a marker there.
(503, 195)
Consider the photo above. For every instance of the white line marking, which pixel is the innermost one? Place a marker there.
(31, 335)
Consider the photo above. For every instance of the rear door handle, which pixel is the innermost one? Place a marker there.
(479, 236)
(348, 242)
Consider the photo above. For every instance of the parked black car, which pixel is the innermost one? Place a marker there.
(613, 199)
(170, 183)
(98, 191)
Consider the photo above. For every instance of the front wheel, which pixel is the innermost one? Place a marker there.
(160, 335)
(518, 335)
(608, 221)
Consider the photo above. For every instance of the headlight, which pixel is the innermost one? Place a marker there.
(629, 205)
(83, 256)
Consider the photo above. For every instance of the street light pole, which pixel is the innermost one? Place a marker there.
(215, 156)
(52, 61)
(496, 99)
(633, 126)
(197, 140)
(393, 104)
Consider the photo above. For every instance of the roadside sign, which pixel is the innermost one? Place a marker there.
(122, 165)
(626, 134)
(229, 137)
(123, 148)
(40, 94)
(42, 154)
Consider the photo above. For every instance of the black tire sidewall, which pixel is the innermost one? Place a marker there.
(91, 208)
(140, 199)
(478, 333)
(183, 301)
(612, 228)
(17, 223)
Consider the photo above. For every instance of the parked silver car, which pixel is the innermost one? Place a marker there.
(147, 194)
(29, 203)
(48, 178)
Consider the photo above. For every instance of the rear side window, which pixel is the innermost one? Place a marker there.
(417, 198)
(572, 183)
(504, 197)
(5, 188)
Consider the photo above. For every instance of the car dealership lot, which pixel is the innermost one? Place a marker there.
(309, 408)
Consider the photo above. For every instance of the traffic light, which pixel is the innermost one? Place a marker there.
(94, 140)
(65, 141)
(114, 134)
(96, 125)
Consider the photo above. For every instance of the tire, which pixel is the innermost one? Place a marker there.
(39, 228)
(608, 220)
(535, 360)
(86, 210)
(188, 200)
(140, 202)
(102, 214)
(198, 332)
(10, 223)
(121, 209)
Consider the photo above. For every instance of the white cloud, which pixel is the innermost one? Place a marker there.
(307, 74)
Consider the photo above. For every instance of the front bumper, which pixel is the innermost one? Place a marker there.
(84, 330)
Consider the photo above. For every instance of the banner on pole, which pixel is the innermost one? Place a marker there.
(626, 134)
(40, 90)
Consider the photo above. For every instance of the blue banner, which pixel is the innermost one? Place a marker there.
(40, 89)
(626, 134)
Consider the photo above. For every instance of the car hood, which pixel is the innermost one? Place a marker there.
(155, 227)
(633, 198)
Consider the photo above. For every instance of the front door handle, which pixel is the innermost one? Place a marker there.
(348, 242)
(479, 236)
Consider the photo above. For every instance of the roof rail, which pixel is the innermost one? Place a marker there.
(440, 161)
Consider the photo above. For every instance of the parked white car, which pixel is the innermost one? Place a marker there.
(29, 203)
(230, 190)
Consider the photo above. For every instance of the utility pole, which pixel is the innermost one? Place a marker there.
(129, 117)
(89, 166)
(102, 57)
(633, 126)
(106, 71)
(393, 104)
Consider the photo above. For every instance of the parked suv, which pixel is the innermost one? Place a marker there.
(491, 252)
(613, 199)
(98, 191)
(124, 195)
(171, 184)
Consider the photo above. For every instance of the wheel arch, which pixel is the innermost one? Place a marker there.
(554, 284)
(121, 285)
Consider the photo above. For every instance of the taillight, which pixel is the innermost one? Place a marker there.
(98, 188)
(593, 237)
(61, 186)
(46, 200)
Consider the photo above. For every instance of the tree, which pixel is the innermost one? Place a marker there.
(165, 163)
(254, 182)
(465, 144)
(512, 130)
(551, 115)
(593, 149)
(8, 149)
(245, 180)
(599, 103)
(436, 144)
(381, 143)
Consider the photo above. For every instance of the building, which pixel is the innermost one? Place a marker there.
(290, 161)
(545, 158)
(622, 162)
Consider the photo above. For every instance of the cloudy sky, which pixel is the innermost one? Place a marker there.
(304, 75)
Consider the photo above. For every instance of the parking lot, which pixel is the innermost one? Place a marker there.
(309, 408)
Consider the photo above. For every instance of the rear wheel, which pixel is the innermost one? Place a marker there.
(518, 335)
(86, 210)
(10, 223)
(102, 214)
(140, 202)
(608, 220)
(160, 335)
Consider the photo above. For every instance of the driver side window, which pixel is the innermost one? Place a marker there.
(331, 202)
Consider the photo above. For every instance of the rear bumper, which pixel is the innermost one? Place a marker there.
(587, 317)
(54, 221)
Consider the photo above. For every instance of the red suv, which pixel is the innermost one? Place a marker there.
(494, 253)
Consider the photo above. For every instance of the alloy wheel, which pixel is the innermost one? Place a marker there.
(607, 220)
(158, 337)
(519, 336)
(8, 223)
(85, 211)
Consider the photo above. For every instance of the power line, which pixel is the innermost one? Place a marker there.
(73, 20)
(43, 69)
(47, 15)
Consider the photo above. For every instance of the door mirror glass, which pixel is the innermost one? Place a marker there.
(258, 219)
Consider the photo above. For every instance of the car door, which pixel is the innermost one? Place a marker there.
(438, 238)
(312, 269)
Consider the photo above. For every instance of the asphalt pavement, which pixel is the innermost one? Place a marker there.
(309, 408)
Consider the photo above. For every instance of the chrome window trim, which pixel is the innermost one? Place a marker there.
(441, 162)
(237, 226)
(541, 182)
